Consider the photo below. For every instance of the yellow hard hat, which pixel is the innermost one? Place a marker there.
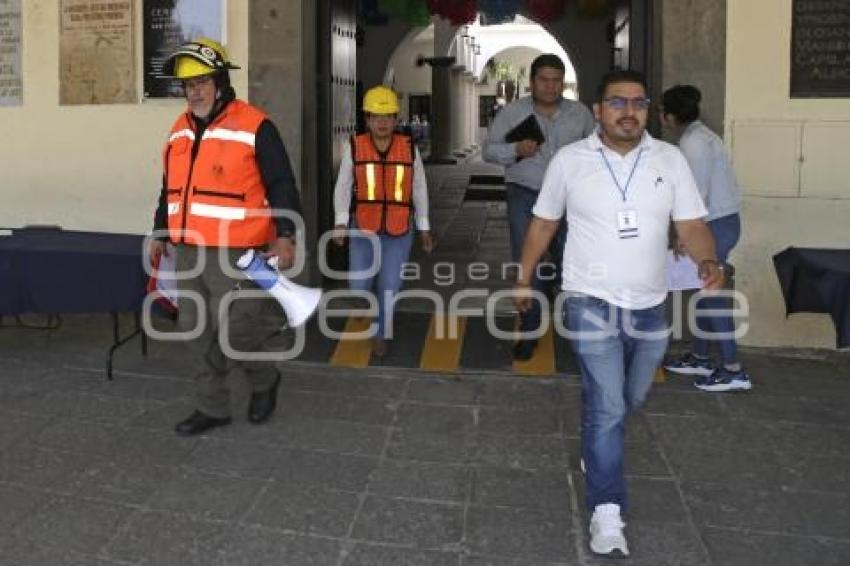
(380, 100)
(197, 58)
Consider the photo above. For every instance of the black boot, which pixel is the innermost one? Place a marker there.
(199, 422)
(263, 403)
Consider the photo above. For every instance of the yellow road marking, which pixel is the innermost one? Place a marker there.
(443, 354)
(542, 362)
(353, 352)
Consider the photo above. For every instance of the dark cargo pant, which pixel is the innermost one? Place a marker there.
(253, 323)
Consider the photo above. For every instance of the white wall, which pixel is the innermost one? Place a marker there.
(789, 156)
(90, 167)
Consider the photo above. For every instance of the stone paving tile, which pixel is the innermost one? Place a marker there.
(511, 421)
(328, 469)
(18, 428)
(735, 548)
(776, 511)
(128, 483)
(426, 447)
(73, 524)
(41, 468)
(526, 452)
(79, 436)
(206, 495)
(162, 447)
(336, 407)
(740, 467)
(501, 561)
(421, 480)
(17, 503)
(430, 419)
(313, 510)
(26, 553)
(683, 403)
(155, 538)
(443, 391)
(344, 384)
(257, 546)
(497, 487)
(533, 534)
(424, 525)
(377, 555)
(231, 457)
(513, 393)
(321, 434)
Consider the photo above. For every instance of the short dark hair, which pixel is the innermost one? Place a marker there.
(620, 76)
(682, 101)
(549, 60)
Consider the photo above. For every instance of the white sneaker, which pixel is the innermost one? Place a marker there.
(606, 532)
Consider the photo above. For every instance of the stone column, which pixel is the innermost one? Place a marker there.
(441, 95)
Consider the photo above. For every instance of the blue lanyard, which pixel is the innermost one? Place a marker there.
(623, 190)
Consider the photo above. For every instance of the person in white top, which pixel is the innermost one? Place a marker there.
(712, 168)
(619, 189)
(380, 189)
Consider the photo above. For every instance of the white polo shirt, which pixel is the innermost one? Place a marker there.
(604, 255)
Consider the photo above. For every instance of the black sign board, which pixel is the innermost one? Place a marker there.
(820, 49)
(168, 24)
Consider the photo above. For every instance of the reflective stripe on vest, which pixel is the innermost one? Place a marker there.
(215, 211)
(399, 178)
(370, 180)
(229, 135)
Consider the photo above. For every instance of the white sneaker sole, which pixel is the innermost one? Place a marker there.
(689, 371)
(613, 552)
(724, 387)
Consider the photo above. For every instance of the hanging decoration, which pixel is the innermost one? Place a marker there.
(545, 11)
(413, 12)
(458, 12)
(495, 12)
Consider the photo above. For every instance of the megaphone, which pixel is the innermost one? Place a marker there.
(298, 302)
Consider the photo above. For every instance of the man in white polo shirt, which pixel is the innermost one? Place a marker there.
(619, 189)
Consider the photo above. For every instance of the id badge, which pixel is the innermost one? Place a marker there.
(627, 224)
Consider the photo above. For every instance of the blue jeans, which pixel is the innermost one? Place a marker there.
(392, 253)
(617, 368)
(520, 201)
(726, 231)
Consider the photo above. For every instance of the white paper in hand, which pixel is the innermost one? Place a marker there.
(682, 273)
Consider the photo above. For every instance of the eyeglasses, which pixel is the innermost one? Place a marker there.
(620, 103)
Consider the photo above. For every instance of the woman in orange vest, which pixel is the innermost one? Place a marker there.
(380, 190)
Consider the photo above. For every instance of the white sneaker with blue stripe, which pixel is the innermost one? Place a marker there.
(689, 364)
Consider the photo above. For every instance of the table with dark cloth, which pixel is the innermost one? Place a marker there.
(817, 280)
(53, 271)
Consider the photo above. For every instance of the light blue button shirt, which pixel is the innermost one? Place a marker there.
(572, 122)
(709, 161)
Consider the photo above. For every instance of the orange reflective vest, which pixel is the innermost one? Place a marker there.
(383, 184)
(217, 198)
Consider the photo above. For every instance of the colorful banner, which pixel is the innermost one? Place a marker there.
(97, 62)
(458, 12)
(11, 82)
(413, 12)
(495, 12)
(545, 11)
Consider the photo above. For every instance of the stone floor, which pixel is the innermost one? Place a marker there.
(398, 467)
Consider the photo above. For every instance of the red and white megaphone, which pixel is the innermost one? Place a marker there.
(298, 302)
